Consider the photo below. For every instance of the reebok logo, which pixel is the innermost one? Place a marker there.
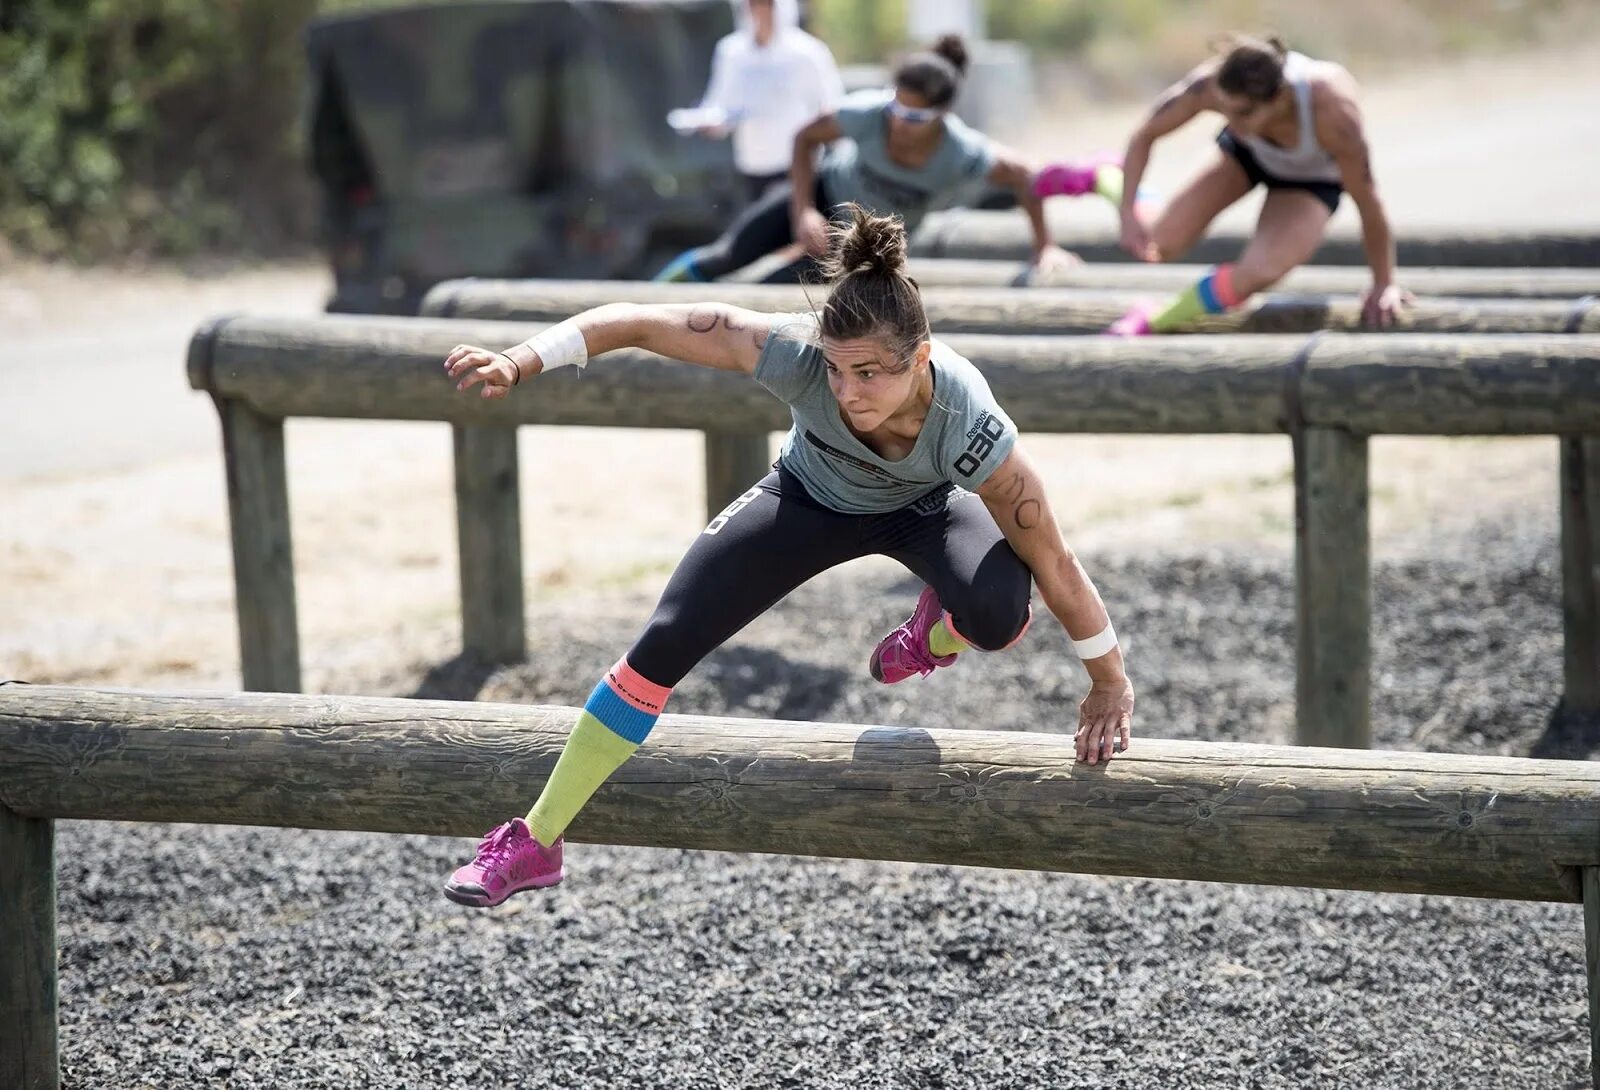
(981, 437)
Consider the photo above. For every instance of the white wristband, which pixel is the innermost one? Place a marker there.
(1096, 645)
(561, 345)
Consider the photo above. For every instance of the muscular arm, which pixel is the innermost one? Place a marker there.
(1177, 106)
(1009, 170)
(803, 168)
(1016, 498)
(708, 334)
(1337, 117)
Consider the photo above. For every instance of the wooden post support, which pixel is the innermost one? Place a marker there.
(263, 559)
(1580, 573)
(29, 1048)
(735, 460)
(1591, 946)
(489, 532)
(1332, 590)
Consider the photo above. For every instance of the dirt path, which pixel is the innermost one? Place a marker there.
(114, 559)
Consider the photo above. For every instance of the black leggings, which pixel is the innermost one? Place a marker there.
(757, 231)
(776, 537)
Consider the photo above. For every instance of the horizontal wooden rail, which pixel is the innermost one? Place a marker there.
(1510, 283)
(1005, 235)
(1417, 384)
(1011, 311)
(1215, 812)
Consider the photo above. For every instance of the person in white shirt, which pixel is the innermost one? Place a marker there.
(769, 79)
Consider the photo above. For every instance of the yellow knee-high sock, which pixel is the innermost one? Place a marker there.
(618, 715)
(592, 753)
(1108, 182)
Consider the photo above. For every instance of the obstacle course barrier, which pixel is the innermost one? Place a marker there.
(1004, 235)
(1216, 812)
(1329, 392)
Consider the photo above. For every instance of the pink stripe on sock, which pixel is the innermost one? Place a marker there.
(1026, 624)
(1222, 287)
(636, 689)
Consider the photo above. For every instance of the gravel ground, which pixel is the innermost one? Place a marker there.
(279, 958)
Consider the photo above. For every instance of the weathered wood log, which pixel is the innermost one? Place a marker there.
(489, 537)
(1008, 310)
(1421, 384)
(734, 461)
(1004, 235)
(29, 1049)
(1408, 822)
(1333, 644)
(1507, 283)
(1591, 945)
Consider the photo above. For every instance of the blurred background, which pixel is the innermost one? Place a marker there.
(174, 128)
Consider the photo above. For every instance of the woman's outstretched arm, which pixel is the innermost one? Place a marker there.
(712, 335)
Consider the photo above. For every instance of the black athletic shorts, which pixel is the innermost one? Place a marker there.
(1326, 192)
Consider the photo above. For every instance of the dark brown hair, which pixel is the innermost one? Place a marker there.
(1253, 67)
(935, 74)
(871, 294)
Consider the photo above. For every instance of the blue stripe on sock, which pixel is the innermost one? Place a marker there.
(1208, 294)
(622, 718)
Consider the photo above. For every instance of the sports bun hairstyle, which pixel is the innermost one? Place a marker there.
(935, 74)
(871, 294)
(1252, 67)
(953, 49)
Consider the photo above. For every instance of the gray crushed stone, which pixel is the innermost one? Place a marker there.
(217, 956)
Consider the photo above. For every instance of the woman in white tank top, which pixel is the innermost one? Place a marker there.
(1293, 125)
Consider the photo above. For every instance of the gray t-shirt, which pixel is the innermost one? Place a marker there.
(860, 170)
(964, 439)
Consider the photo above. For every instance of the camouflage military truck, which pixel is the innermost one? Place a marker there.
(511, 138)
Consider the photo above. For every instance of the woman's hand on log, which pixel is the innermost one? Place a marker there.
(1381, 304)
(1105, 720)
(470, 365)
(1136, 238)
(1053, 259)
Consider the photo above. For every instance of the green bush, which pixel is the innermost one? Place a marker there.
(154, 126)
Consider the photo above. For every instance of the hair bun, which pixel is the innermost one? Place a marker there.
(953, 48)
(874, 245)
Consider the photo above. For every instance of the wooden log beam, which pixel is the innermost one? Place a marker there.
(1508, 283)
(1007, 310)
(489, 539)
(1419, 384)
(1004, 235)
(1406, 822)
(29, 1049)
(1333, 615)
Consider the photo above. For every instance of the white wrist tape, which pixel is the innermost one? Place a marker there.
(561, 345)
(1096, 645)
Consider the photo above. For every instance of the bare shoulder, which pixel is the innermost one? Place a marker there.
(1333, 88)
(1336, 109)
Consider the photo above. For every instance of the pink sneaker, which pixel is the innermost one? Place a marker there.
(1072, 178)
(904, 651)
(1135, 323)
(509, 860)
